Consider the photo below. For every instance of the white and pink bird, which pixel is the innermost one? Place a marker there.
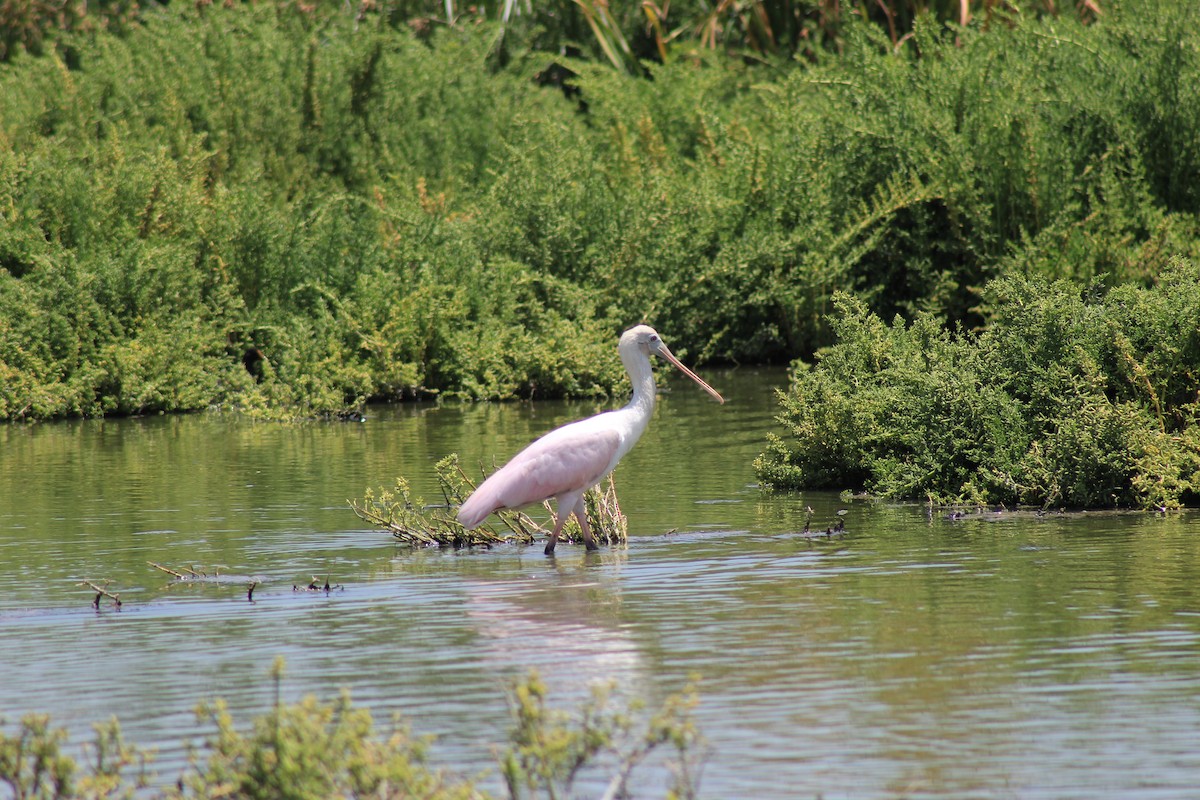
(568, 461)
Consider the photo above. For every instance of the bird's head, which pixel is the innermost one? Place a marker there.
(644, 339)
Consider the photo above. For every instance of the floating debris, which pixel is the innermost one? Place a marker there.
(317, 585)
(188, 573)
(836, 529)
(412, 521)
(193, 575)
(1002, 513)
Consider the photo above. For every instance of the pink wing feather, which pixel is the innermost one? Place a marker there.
(571, 458)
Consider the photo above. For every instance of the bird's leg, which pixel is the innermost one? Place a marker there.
(581, 515)
(560, 518)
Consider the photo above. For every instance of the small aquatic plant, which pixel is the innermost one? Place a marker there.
(417, 523)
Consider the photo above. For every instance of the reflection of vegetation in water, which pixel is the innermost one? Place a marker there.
(414, 522)
(318, 750)
(1069, 398)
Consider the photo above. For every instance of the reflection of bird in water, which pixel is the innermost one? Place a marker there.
(560, 629)
(568, 461)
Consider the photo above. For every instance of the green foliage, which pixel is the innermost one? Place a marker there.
(34, 766)
(165, 215)
(1078, 399)
(32, 763)
(26, 25)
(617, 33)
(313, 749)
(293, 211)
(550, 746)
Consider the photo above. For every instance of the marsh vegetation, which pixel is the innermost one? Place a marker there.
(291, 210)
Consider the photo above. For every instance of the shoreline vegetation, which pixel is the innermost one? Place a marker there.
(291, 210)
(1083, 399)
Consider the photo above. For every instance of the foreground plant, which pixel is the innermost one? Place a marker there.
(314, 750)
(550, 747)
(1078, 399)
(34, 764)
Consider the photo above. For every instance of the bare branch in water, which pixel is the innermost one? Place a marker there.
(102, 591)
(168, 570)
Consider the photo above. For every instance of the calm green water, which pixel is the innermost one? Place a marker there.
(913, 657)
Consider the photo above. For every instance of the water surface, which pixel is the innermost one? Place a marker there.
(914, 656)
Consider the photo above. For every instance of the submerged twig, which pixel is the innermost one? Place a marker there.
(190, 572)
(194, 576)
(102, 591)
(837, 529)
(315, 585)
(168, 570)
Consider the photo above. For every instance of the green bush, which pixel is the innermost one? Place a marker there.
(168, 215)
(618, 34)
(357, 210)
(1077, 399)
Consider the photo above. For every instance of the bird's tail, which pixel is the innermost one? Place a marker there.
(474, 510)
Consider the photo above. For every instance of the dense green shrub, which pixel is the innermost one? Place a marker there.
(166, 215)
(620, 33)
(1069, 398)
(268, 206)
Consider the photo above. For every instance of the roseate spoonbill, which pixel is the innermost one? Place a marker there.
(568, 461)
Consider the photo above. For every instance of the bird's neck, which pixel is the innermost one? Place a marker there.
(644, 393)
(635, 416)
(641, 405)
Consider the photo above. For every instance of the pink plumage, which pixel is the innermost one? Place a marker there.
(559, 462)
(569, 460)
